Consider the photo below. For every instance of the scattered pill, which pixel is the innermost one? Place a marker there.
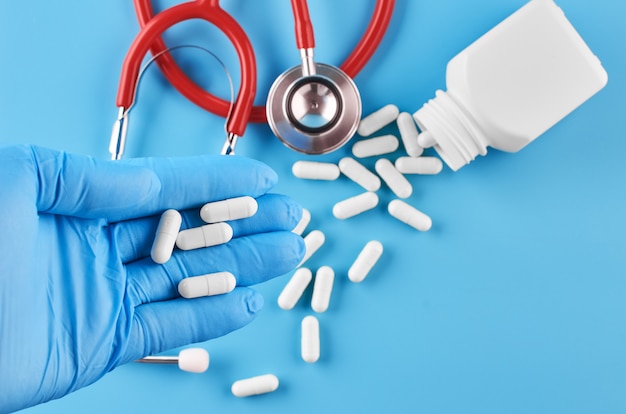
(426, 140)
(204, 236)
(314, 170)
(293, 290)
(261, 384)
(322, 288)
(165, 238)
(419, 165)
(310, 339)
(377, 120)
(409, 134)
(409, 215)
(207, 285)
(230, 209)
(304, 221)
(312, 242)
(365, 261)
(357, 172)
(375, 146)
(394, 179)
(352, 206)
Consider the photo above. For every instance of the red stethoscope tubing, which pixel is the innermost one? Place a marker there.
(361, 54)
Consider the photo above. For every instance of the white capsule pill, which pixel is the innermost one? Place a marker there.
(377, 120)
(322, 288)
(193, 360)
(207, 285)
(365, 261)
(261, 384)
(357, 172)
(204, 236)
(426, 140)
(313, 170)
(419, 165)
(230, 209)
(409, 215)
(165, 237)
(293, 290)
(310, 339)
(409, 134)
(312, 242)
(355, 205)
(375, 146)
(394, 179)
(304, 221)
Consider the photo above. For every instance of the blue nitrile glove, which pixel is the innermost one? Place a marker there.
(79, 294)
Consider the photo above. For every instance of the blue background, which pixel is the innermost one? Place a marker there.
(514, 302)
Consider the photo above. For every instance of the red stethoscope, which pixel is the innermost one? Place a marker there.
(313, 108)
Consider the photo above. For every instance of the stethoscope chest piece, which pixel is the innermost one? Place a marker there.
(314, 114)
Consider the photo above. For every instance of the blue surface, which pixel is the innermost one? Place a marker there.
(515, 301)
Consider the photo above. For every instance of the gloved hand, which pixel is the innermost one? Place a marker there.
(79, 294)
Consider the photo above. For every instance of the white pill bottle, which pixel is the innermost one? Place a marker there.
(511, 85)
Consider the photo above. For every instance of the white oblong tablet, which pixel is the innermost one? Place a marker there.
(165, 237)
(365, 261)
(394, 179)
(293, 290)
(357, 172)
(230, 209)
(375, 146)
(352, 206)
(310, 339)
(322, 289)
(312, 242)
(313, 170)
(426, 140)
(193, 360)
(409, 134)
(419, 165)
(409, 215)
(377, 120)
(261, 384)
(304, 221)
(207, 285)
(204, 236)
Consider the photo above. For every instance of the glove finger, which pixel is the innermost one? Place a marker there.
(251, 259)
(276, 212)
(159, 326)
(82, 186)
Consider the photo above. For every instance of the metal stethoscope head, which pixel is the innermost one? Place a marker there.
(313, 108)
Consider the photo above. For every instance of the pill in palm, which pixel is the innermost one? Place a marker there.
(165, 238)
(304, 221)
(322, 289)
(377, 120)
(207, 285)
(393, 178)
(314, 170)
(310, 339)
(204, 236)
(293, 290)
(409, 215)
(426, 140)
(357, 172)
(352, 206)
(375, 146)
(230, 209)
(261, 384)
(312, 242)
(419, 165)
(365, 261)
(409, 134)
